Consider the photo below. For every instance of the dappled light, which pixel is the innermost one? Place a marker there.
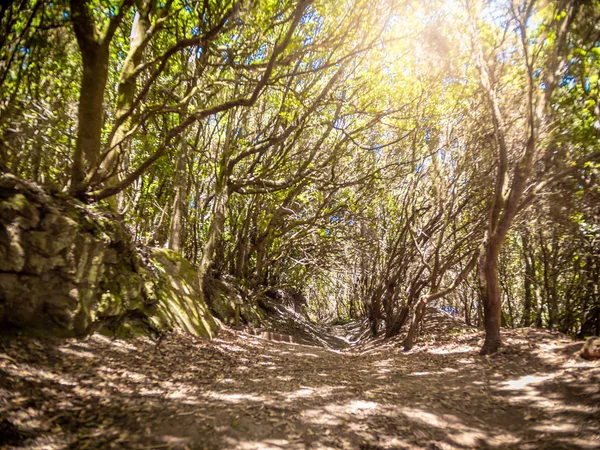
(300, 224)
(149, 396)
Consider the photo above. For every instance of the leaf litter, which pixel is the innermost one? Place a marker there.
(240, 391)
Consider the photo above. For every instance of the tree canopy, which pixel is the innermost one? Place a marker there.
(377, 156)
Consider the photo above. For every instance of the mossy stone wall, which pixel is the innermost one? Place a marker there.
(67, 268)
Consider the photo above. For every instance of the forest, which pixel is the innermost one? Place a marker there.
(378, 187)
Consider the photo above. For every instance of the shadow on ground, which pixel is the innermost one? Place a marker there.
(247, 393)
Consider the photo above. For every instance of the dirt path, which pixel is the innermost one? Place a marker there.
(247, 393)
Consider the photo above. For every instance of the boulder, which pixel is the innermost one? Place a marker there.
(180, 303)
(223, 295)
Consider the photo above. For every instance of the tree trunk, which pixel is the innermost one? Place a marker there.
(388, 307)
(434, 295)
(417, 316)
(220, 202)
(261, 250)
(398, 322)
(176, 226)
(94, 47)
(467, 308)
(492, 301)
(243, 244)
(126, 93)
(511, 314)
(539, 306)
(529, 278)
(375, 312)
(90, 114)
(482, 294)
(215, 230)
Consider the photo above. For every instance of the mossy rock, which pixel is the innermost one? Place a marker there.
(20, 206)
(180, 301)
(223, 296)
(253, 315)
(72, 269)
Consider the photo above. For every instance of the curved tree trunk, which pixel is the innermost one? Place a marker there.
(243, 244)
(219, 208)
(507, 202)
(414, 325)
(375, 312)
(215, 231)
(95, 54)
(120, 145)
(423, 301)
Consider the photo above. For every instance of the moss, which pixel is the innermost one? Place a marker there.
(82, 321)
(111, 304)
(180, 302)
(18, 202)
(20, 206)
(170, 255)
(103, 282)
(128, 330)
(223, 307)
(253, 315)
(171, 261)
(184, 311)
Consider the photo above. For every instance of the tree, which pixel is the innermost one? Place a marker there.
(514, 168)
(342, 149)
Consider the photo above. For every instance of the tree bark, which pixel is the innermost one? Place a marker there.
(90, 113)
(215, 230)
(375, 312)
(423, 301)
(492, 301)
(529, 279)
(243, 244)
(119, 145)
(220, 202)
(176, 225)
(506, 204)
(95, 55)
(416, 320)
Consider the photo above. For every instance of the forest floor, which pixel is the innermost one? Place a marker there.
(243, 392)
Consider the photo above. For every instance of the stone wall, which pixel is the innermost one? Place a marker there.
(67, 268)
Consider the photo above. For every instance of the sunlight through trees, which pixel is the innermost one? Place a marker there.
(374, 156)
